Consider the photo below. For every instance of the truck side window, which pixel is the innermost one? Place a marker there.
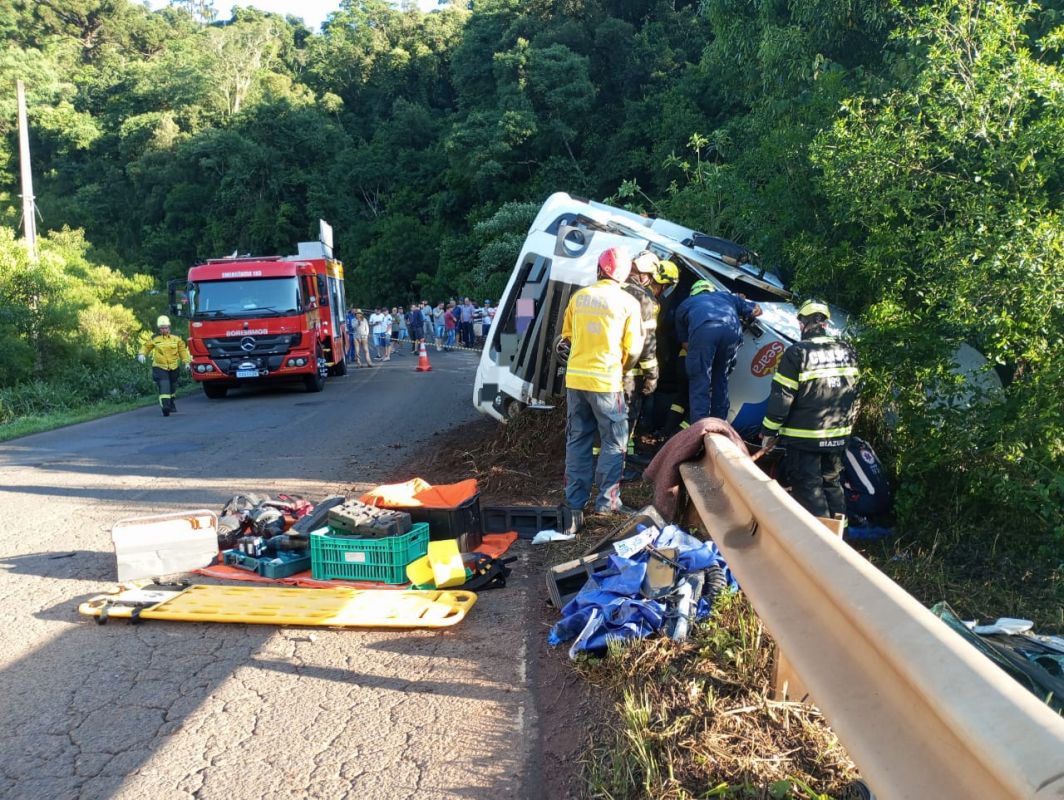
(308, 292)
(323, 291)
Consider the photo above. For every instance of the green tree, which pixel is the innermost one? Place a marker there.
(954, 184)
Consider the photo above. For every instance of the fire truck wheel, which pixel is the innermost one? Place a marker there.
(315, 381)
(215, 391)
(340, 367)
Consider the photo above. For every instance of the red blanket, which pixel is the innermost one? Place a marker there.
(686, 445)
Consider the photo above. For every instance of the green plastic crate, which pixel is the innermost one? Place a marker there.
(382, 560)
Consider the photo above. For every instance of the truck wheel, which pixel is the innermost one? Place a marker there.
(215, 391)
(315, 382)
(340, 367)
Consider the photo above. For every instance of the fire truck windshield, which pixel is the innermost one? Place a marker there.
(254, 297)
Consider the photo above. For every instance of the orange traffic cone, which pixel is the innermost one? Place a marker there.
(423, 364)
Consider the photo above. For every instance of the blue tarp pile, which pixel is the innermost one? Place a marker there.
(613, 604)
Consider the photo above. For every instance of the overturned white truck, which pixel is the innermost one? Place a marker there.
(518, 366)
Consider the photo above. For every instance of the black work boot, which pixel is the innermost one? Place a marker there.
(571, 520)
(173, 406)
(165, 407)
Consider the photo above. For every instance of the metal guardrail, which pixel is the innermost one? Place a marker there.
(922, 713)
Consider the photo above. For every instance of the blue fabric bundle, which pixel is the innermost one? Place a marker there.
(611, 606)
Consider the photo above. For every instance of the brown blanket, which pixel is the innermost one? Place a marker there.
(687, 445)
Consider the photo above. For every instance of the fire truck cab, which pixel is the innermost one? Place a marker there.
(258, 319)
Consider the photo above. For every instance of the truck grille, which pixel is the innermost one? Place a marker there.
(265, 352)
(248, 346)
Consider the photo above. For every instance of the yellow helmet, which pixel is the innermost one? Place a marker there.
(666, 273)
(811, 307)
(162, 322)
(698, 287)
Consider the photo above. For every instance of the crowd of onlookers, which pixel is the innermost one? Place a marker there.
(383, 332)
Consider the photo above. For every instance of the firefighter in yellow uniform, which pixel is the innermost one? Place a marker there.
(168, 353)
(602, 336)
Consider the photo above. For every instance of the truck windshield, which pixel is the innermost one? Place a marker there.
(256, 297)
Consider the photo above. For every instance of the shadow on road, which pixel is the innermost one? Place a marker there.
(89, 565)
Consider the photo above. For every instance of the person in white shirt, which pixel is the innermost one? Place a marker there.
(375, 320)
(386, 336)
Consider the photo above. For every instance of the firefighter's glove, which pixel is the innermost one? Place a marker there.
(768, 442)
(649, 385)
(141, 358)
(562, 348)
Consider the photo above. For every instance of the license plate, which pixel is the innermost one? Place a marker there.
(247, 373)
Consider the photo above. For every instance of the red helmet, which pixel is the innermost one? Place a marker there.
(615, 263)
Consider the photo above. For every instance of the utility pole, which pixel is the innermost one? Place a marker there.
(29, 223)
(29, 208)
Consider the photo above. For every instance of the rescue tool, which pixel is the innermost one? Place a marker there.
(339, 607)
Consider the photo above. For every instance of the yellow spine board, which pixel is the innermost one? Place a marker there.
(341, 607)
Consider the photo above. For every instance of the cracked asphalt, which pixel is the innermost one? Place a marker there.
(181, 710)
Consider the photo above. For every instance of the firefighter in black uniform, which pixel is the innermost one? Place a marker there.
(648, 279)
(810, 410)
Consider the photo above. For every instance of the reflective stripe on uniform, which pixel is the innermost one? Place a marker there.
(784, 381)
(650, 362)
(826, 372)
(770, 425)
(684, 426)
(650, 324)
(677, 408)
(634, 372)
(822, 433)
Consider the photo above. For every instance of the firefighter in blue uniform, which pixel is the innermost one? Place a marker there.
(810, 411)
(709, 323)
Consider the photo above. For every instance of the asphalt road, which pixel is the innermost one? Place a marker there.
(175, 710)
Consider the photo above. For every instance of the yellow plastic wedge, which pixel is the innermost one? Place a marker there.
(341, 607)
(447, 567)
(419, 571)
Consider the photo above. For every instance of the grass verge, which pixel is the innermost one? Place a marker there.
(697, 719)
(39, 423)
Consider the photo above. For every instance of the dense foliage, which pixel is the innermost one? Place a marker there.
(901, 157)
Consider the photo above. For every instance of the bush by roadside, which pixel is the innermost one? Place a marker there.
(111, 379)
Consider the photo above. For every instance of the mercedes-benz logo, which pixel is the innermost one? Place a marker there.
(247, 344)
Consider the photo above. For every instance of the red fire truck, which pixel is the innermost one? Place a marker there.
(264, 319)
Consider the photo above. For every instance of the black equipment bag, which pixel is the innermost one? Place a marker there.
(864, 480)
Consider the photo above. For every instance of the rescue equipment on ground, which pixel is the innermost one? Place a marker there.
(340, 607)
(619, 601)
(864, 480)
(382, 560)
(356, 518)
(451, 510)
(163, 544)
(281, 564)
